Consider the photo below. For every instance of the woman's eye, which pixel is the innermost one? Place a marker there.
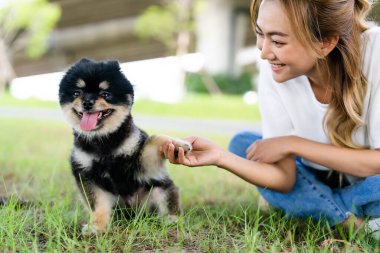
(278, 44)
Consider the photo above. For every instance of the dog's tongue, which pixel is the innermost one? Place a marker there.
(89, 121)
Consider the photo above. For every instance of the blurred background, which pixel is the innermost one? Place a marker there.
(198, 46)
(172, 46)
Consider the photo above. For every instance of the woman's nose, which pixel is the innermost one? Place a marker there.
(266, 50)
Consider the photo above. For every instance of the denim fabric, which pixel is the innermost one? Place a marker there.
(312, 198)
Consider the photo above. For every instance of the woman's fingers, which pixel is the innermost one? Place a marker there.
(191, 139)
(174, 156)
(181, 155)
(171, 154)
(250, 152)
(168, 151)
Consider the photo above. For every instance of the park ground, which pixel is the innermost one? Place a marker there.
(220, 212)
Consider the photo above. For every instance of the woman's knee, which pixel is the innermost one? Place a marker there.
(365, 196)
(241, 141)
(374, 181)
(372, 209)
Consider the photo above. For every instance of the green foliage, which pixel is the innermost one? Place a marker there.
(163, 23)
(158, 23)
(227, 84)
(375, 12)
(36, 18)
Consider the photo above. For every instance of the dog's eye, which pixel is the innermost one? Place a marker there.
(105, 95)
(77, 93)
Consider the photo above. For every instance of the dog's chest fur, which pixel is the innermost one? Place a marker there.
(112, 162)
(116, 174)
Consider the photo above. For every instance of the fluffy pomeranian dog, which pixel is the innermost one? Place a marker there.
(113, 161)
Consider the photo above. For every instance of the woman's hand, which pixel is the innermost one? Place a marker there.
(279, 177)
(270, 150)
(204, 152)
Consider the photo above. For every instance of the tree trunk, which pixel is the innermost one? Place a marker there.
(6, 69)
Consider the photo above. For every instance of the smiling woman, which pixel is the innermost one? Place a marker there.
(319, 93)
(279, 45)
(317, 102)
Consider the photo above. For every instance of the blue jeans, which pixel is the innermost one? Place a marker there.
(312, 198)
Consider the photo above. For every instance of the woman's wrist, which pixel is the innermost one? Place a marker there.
(292, 148)
(222, 158)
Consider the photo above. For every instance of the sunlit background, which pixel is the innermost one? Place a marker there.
(167, 48)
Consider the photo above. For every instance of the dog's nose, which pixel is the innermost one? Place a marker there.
(88, 104)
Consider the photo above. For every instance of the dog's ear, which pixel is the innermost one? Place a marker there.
(84, 60)
(113, 64)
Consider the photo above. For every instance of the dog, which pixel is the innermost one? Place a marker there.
(113, 161)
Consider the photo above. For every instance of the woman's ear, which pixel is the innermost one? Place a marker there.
(329, 44)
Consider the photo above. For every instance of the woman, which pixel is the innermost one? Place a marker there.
(319, 92)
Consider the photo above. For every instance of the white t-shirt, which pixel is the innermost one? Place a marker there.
(290, 108)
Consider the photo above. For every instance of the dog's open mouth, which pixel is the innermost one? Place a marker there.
(89, 121)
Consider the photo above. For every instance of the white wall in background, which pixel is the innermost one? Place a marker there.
(156, 79)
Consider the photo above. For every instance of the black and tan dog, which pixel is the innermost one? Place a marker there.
(113, 161)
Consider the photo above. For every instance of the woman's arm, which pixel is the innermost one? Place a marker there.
(361, 163)
(279, 176)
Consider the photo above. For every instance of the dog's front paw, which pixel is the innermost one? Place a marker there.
(171, 219)
(89, 229)
(178, 143)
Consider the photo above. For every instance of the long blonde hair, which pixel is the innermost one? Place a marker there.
(315, 21)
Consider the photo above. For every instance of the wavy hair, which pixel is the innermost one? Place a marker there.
(315, 21)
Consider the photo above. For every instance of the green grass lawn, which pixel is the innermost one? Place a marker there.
(220, 211)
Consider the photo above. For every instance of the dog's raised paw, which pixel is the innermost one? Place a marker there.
(178, 143)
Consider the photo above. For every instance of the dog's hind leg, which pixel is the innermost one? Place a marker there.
(166, 202)
(174, 203)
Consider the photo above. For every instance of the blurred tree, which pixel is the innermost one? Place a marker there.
(375, 13)
(173, 24)
(24, 26)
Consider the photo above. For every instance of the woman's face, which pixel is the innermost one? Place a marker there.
(279, 45)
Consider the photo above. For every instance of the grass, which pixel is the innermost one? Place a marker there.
(220, 211)
(193, 106)
(202, 106)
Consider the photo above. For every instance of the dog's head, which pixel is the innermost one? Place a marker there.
(95, 97)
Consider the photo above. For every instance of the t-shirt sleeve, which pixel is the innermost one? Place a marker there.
(275, 120)
(374, 117)
(372, 72)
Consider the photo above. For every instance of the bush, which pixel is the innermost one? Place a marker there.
(227, 84)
